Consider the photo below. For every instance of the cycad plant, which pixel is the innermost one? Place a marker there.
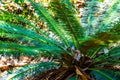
(74, 53)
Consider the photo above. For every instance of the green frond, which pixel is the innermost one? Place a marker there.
(99, 40)
(9, 47)
(10, 28)
(110, 56)
(105, 74)
(99, 74)
(52, 24)
(31, 25)
(115, 52)
(31, 70)
(27, 41)
(16, 29)
(67, 17)
(108, 35)
(115, 28)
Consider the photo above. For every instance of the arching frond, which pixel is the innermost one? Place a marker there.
(103, 38)
(31, 70)
(26, 41)
(105, 74)
(10, 28)
(67, 17)
(111, 55)
(52, 24)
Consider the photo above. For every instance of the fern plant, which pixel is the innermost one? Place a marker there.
(74, 55)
